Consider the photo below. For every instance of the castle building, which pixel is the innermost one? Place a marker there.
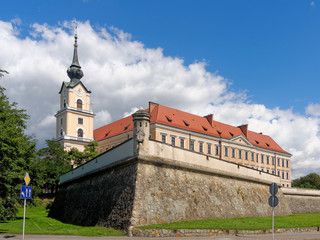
(203, 135)
(74, 119)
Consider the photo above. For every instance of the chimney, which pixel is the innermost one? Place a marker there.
(152, 105)
(210, 119)
(244, 129)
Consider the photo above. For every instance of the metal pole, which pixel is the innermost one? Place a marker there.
(24, 218)
(272, 222)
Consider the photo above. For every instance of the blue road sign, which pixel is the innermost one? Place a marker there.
(273, 189)
(25, 192)
(273, 201)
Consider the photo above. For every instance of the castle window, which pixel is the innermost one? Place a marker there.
(262, 158)
(240, 154)
(191, 147)
(217, 150)
(287, 163)
(257, 157)
(252, 156)
(279, 162)
(246, 155)
(64, 103)
(209, 148)
(173, 140)
(201, 147)
(163, 138)
(182, 142)
(61, 132)
(233, 152)
(273, 172)
(226, 151)
(268, 160)
(61, 121)
(282, 162)
(273, 160)
(282, 175)
(279, 173)
(287, 175)
(79, 103)
(262, 169)
(80, 133)
(80, 121)
(267, 170)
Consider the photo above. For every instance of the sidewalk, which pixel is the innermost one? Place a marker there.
(292, 236)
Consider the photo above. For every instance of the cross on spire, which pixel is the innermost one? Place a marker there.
(74, 72)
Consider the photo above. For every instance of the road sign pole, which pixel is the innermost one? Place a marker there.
(24, 218)
(272, 222)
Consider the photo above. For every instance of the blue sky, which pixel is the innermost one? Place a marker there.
(270, 49)
(247, 62)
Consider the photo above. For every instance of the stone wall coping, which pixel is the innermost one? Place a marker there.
(109, 158)
(301, 192)
(138, 232)
(159, 150)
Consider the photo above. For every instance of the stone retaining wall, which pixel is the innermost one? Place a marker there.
(167, 193)
(302, 200)
(102, 199)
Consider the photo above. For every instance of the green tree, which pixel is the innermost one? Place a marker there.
(90, 150)
(311, 181)
(17, 151)
(76, 158)
(49, 165)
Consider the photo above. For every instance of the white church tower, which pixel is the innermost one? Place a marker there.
(74, 119)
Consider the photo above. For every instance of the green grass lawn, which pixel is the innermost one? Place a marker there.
(37, 222)
(249, 223)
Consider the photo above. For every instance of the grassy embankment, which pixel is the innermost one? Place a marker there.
(37, 222)
(251, 223)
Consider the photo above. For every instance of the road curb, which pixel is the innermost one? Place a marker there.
(137, 232)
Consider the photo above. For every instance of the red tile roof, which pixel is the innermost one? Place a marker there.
(190, 122)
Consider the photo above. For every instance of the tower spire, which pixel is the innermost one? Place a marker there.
(74, 72)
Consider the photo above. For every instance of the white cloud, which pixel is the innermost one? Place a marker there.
(313, 109)
(124, 74)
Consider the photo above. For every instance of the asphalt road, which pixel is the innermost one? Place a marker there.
(290, 236)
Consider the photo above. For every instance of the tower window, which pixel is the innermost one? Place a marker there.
(64, 103)
(80, 121)
(61, 132)
(61, 121)
(80, 132)
(79, 103)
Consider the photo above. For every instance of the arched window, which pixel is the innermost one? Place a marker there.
(61, 132)
(64, 103)
(80, 132)
(79, 103)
